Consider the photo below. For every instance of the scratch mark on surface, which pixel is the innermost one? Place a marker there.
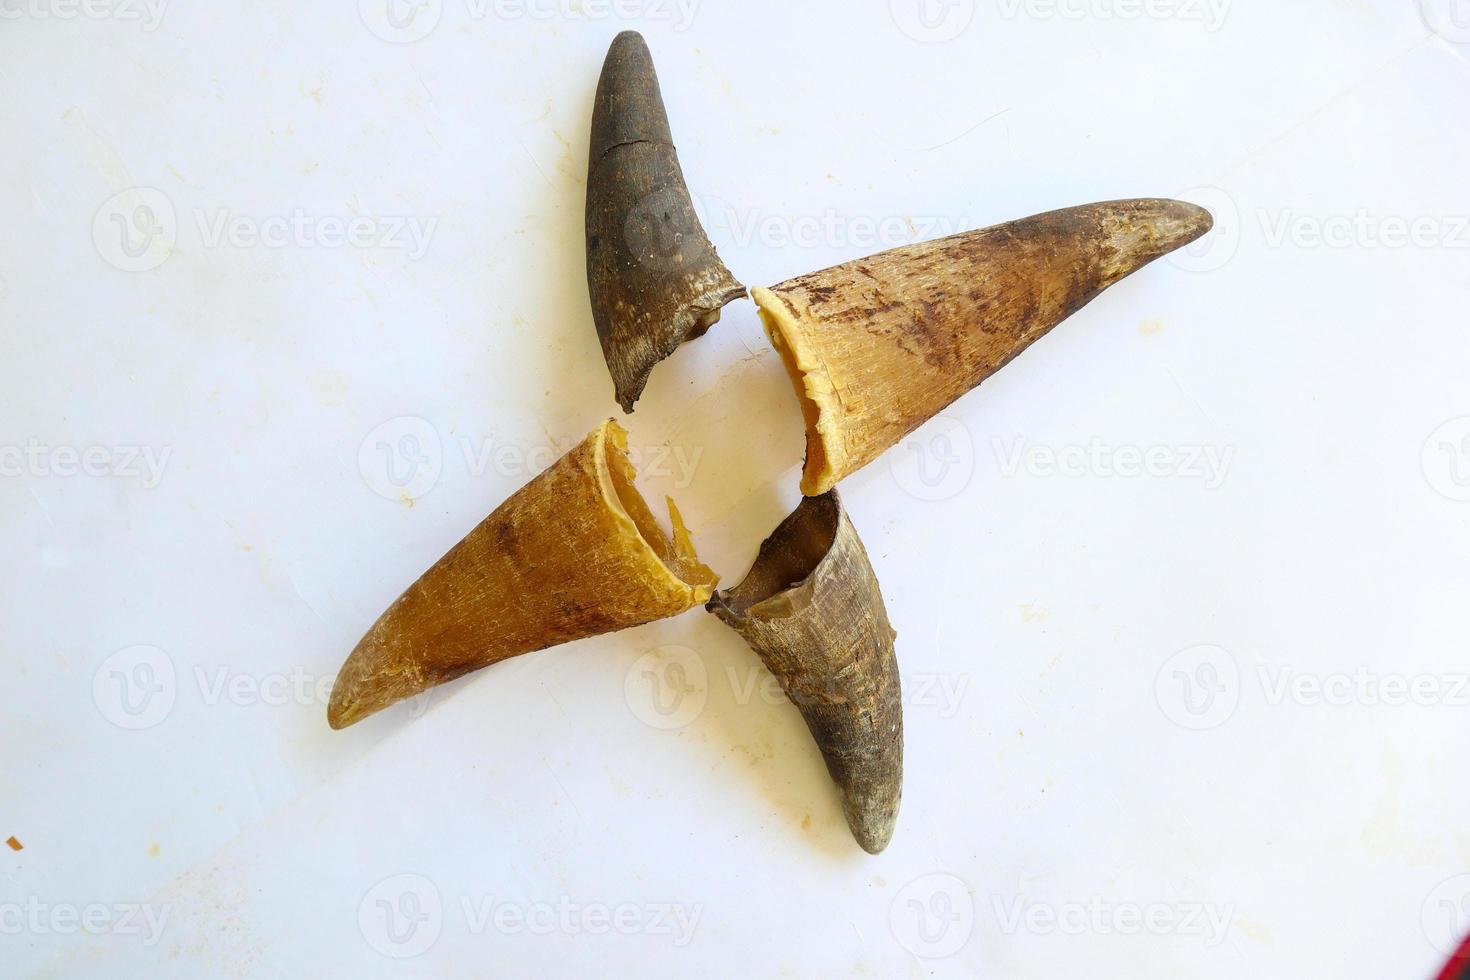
(42, 504)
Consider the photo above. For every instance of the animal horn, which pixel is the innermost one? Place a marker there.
(877, 347)
(653, 275)
(575, 553)
(812, 609)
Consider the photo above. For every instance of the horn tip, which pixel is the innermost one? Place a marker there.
(875, 835)
(1180, 222)
(339, 716)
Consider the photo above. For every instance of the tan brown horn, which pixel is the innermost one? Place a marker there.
(812, 609)
(879, 346)
(655, 279)
(574, 553)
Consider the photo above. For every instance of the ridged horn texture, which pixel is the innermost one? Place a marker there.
(812, 609)
(653, 275)
(574, 553)
(879, 346)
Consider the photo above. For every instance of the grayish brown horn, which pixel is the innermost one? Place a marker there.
(653, 275)
(812, 609)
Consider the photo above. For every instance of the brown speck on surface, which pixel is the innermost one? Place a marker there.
(14, 844)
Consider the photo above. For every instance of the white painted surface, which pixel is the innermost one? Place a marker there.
(1308, 523)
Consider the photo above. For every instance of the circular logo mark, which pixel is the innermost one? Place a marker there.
(136, 688)
(1446, 914)
(1216, 249)
(1450, 19)
(667, 688)
(136, 230)
(401, 459)
(932, 21)
(664, 232)
(932, 917)
(401, 917)
(1199, 688)
(1446, 459)
(401, 21)
(935, 463)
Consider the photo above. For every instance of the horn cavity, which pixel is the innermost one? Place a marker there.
(877, 347)
(573, 554)
(811, 608)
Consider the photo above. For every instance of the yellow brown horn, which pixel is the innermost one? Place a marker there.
(575, 553)
(879, 346)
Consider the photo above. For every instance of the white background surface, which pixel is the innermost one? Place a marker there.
(1093, 664)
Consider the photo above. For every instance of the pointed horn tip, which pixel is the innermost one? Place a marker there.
(629, 39)
(874, 840)
(340, 712)
(1184, 222)
(337, 717)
